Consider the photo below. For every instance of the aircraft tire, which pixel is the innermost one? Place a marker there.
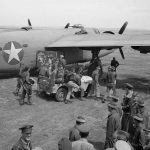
(61, 94)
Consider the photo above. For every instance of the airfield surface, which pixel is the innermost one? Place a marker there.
(52, 120)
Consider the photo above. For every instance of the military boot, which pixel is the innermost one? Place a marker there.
(16, 92)
(67, 101)
(29, 102)
(21, 101)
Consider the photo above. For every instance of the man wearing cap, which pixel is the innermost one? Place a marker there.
(27, 87)
(113, 124)
(111, 81)
(74, 132)
(121, 135)
(138, 139)
(83, 144)
(24, 142)
(126, 107)
(142, 110)
(121, 145)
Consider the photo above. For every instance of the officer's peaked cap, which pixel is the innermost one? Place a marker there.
(122, 145)
(80, 119)
(112, 104)
(141, 102)
(26, 128)
(84, 128)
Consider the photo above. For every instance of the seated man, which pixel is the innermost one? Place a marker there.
(74, 81)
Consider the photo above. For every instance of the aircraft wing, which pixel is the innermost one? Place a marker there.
(101, 41)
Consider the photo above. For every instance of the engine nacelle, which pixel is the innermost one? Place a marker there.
(142, 49)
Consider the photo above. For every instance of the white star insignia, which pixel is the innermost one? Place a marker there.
(13, 52)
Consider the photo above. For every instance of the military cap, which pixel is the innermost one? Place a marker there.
(114, 98)
(129, 86)
(84, 128)
(122, 145)
(80, 119)
(141, 102)
(112, 104)
(138, 117)
(26, 128)
(121, 135)
(64, 144)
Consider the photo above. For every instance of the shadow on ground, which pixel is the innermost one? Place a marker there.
(45, 96)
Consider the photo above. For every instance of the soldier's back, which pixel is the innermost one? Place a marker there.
(74, 134)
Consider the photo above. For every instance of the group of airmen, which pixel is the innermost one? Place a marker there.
(127, 125)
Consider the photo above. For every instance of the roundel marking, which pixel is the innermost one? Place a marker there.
(12, 53)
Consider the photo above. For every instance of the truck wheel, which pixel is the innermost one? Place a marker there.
(61, 94)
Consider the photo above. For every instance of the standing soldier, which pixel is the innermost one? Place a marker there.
(24, 142)
(142, 110)
(27, 86)
(114, 63)
(95, 84)
(138, 140)
(113, 124)
(111, 81)
(126, 107)
(19, 80)
(74, 132)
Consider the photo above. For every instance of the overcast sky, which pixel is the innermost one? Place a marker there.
(91, 13)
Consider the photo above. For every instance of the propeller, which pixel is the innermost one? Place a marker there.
(121, 52)
(29, 23)
(28, 27)
(122, 29)
(67, 25)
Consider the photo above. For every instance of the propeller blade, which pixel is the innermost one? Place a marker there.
(121, 52)
(122, 29)
(67, 25)
(29, 22)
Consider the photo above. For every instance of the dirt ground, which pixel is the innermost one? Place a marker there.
(52, 119)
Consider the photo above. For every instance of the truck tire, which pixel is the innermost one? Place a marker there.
(61, 94)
